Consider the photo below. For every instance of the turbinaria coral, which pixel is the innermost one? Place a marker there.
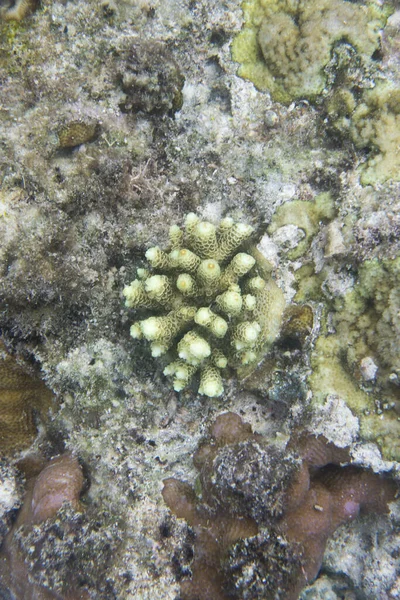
(260, 527)
(212, 308)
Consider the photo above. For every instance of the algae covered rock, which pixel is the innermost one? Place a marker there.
(360, 362)
(212, 307)
(376, 126)
(150, 78)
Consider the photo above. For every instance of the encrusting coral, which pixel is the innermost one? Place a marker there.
(266, 513)
(362, 355)
(209, 300)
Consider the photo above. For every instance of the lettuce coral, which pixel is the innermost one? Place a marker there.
(212, 307)
(285, 45)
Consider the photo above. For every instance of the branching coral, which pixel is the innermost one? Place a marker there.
(266, 512)
(210, 300)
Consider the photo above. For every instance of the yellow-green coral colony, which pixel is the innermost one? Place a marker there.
(212, 309)
(285, 45)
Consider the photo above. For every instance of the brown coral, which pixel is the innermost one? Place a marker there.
(58, 483)
(266, 513)
(75, 133)
(22, 396)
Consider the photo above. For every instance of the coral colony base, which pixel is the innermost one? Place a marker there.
(212, 308)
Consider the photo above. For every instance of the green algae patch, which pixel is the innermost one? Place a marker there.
(376, 125)
(285, 45)
(360, 363)
(306, 216)
(330, 377)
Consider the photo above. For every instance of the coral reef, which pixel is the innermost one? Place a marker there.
(375, 124)
(23, 399)
(207, 282)
(301, 494)
(371, 120)
(179, 132)
(306, 50)
(284, 46)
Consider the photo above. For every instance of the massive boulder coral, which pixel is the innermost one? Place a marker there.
(285, 45)
(59, 482)
(211, 305)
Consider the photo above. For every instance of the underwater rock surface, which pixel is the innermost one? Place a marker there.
(117, 119)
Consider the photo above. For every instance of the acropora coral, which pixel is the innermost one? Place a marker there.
(211, 305)
(266, 513)
(284, 45)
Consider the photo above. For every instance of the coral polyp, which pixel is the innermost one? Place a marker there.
(212, 308)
